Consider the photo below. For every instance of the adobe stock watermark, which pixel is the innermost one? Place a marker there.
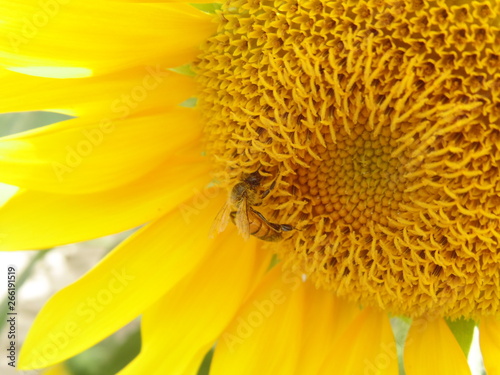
(31, 25)
(120, 108)
(262, 309)
(384, 359)
(123, 106)
(75, 154)
(200, 201)
(86, 312)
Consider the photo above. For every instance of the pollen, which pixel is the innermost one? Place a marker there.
(375, 126)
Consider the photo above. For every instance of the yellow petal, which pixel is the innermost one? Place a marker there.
(326, 318)
(100, 36)
(489, 339)
(37, 220)
(188, 320)
(265, 262)
(431, 348)
(54, 219)
(125, 283)
(83, 156)
(367, 346)
(112, 95)
(59, 369)
(264, 337)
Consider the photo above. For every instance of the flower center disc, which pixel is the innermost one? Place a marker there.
(375, 127)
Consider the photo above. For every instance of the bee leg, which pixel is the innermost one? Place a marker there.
(266, 193)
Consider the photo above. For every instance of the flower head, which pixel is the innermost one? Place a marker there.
(377, 122)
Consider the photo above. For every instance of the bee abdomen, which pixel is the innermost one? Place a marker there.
(255, 227)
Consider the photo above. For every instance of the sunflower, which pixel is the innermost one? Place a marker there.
(357, 142)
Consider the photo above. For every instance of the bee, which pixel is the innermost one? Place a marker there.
(257, 225)
(243, 197)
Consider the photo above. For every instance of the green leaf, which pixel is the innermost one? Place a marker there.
(211, 8)
(189, 103)
(463, 331)
(11, 123)
(400, 326)
(110, 355)
(274, 261)
(205, 365)
(184, 70)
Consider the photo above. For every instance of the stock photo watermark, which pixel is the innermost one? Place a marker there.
(262, 309)
(75, 154)
(11, 317)
(200, 201)
(120, 108)
(86, 313)
(31, 25)
(124, 105)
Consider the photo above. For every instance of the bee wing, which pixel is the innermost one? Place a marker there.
(220, 221)
(241, 220)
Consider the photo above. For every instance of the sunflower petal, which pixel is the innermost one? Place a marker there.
(59, 369)
(489, 339)
(54, 219)
(119, 288)
(114, 95)
(265, 262)
(431, 348)
(98, 36)
(264, 337)
(325, 319)
(174, 330)
(367, 346)
(82, 156)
